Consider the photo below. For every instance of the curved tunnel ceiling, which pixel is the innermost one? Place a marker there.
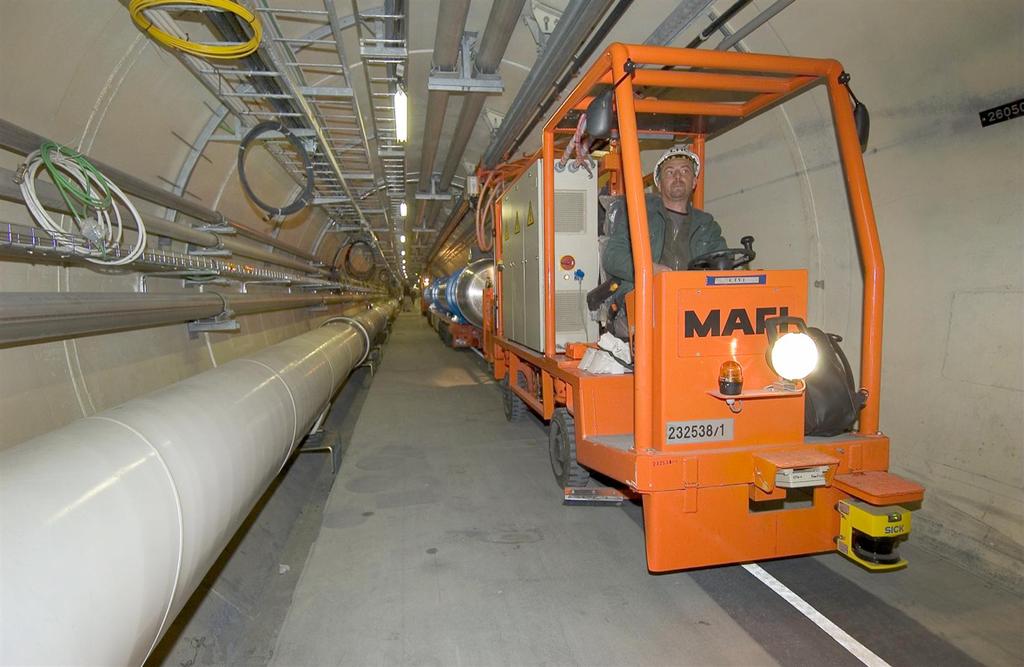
(115, 54)
(104, 34)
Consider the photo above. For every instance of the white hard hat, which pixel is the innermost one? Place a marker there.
(676, 151)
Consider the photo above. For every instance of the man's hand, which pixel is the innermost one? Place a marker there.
(660, 268)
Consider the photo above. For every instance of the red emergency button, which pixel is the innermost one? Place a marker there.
(568, 262)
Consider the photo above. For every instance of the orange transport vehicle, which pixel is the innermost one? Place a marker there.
(724, 476)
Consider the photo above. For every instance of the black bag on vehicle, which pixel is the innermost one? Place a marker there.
(831, 401)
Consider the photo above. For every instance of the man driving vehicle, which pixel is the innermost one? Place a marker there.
(678, 231)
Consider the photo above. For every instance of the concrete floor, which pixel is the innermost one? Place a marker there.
(444, 542)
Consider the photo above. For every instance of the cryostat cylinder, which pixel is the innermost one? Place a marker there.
(469, 289)
(460, 295)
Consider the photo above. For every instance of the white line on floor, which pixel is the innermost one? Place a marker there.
(858, 650)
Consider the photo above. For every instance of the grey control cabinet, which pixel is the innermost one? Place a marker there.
(576, 257)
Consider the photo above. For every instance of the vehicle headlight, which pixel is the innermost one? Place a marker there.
(794, 356)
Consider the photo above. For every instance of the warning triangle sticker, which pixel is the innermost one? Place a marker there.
(529, 216)
(517, 228)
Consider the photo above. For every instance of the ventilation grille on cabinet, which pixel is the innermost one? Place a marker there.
(570, 310)
(570, 211)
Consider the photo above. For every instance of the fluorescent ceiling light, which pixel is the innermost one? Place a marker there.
(401, 239)
(401, 115)
(403, 255)
(403, 211)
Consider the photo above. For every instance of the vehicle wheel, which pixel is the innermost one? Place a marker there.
(562, 449)
(515, 408)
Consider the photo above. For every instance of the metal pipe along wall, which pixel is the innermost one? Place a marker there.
(110, 523)
(35, 316)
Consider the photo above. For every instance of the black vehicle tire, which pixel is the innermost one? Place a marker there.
(515, 408)
(562, 450)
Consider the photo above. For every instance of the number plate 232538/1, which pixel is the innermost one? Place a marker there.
(699, 430)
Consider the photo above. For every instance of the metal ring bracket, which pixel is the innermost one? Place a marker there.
(357, 324)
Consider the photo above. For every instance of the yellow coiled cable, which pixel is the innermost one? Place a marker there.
(137, 9)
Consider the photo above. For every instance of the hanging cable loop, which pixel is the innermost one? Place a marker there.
(222, 51)
(305, 197)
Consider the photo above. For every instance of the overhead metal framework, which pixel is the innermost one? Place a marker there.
(304, 80)
(384, 56)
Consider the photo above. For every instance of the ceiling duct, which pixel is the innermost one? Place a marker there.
(492, 46)
(500, 25)
(451, 23)
(578, 20)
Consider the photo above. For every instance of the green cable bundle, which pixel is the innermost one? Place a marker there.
(94, 201)
(71, 191)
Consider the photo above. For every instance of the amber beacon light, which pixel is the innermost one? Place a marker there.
(730, 378)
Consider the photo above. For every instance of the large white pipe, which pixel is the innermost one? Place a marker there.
(109, 524)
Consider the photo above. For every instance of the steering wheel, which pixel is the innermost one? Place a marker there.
(725, 259)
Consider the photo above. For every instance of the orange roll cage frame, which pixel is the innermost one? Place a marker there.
(545, 381)
(801, 73)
